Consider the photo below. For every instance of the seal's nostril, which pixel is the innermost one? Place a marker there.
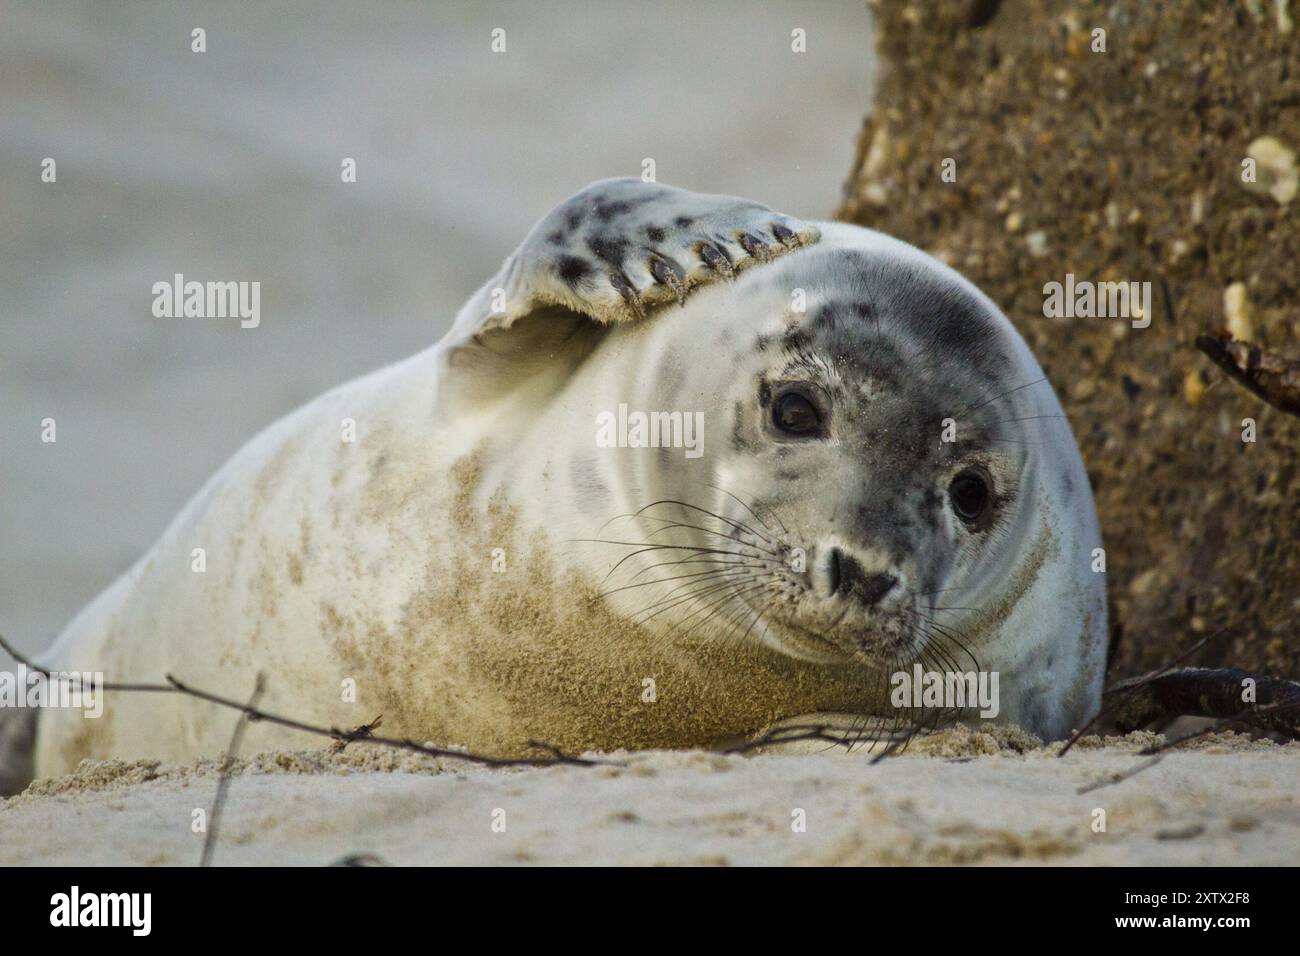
(849, 579)
(873, 588)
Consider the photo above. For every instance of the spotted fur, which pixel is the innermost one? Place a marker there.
(623, 246)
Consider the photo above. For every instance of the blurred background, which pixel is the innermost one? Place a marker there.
(225, 165)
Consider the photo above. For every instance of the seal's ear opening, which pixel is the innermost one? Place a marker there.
(537, 352)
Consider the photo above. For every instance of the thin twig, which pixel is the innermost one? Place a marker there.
(363, 732)
(559, 757)
(1131, 689)
(1158, 751)
(1119, 778)
(253, 713)
(1240, 717)
(1271, 377)
(1215, 693)
(785, 735)
(223, 780)
(75, 679)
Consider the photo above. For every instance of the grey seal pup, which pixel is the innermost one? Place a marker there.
(684, 469)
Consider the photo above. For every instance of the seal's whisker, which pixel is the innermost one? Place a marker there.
(669, 564)
(729, 599)
(739, 526)
(677, 524)
(767, 627)
(745, 562)
(682, 600)
(709, 608)
(927, 720)
(936, 650)
(1027, 418)
(1013, 441)
(733, 636)
(771, 512)
(1000, 395)
(646, 546)
(667, 524)
(670, 523)
(931, 628)
(757, 617)
(748, 508)
(676, 577)
(931, 593)
(703, 587)
(711, 578)
(704, 604)
(950, 636)
(650, 545)
(694, 551)
(897, 663)
(732, 604)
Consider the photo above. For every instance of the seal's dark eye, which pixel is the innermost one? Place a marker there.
(969, 494)
(796, 414)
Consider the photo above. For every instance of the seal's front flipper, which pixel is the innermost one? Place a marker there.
(609, 255)
(621, 247)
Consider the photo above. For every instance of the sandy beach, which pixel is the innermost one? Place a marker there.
(961, 797)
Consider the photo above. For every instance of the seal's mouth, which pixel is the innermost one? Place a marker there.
(876, 639)
(807, 645)
(852, 607)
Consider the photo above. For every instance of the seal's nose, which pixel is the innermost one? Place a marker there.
(848, 579)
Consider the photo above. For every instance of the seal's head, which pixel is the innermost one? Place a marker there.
(887, 478)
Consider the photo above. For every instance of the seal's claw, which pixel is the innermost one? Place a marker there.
(716, 259)
(755, 246)
(623, 286)
(666, 274)
(785, 236)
